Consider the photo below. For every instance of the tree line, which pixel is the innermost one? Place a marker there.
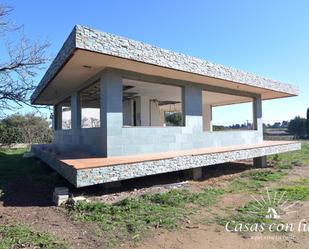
(299, 127)
(24, 129)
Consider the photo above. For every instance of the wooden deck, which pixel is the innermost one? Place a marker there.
(96, 162)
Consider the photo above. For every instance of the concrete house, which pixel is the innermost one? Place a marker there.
(126, 109)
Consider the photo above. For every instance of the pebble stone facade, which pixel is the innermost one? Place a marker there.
(91, 176)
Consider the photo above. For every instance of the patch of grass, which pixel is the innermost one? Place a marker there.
(14, 166)
(296, 193)
(130, 217)
(304, 181)
(266, 176)
(292, 159)
(245, 185)
(252, 182)
(248, 214)
(18, 236)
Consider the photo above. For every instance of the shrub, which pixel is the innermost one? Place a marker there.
(25, 129)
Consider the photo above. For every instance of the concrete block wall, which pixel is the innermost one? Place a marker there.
(88, 141)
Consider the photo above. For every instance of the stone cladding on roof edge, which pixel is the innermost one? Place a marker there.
(96, 41)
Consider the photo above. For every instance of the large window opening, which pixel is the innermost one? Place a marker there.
(148, 104)
(90, 106)
(224, 112)
(64, 115)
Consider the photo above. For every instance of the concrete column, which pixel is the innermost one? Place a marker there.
(111, 112)
(207, 117)
(260, 162)
(142, 111)
(58, 117)
(76, 120)
(112, 185)
(257, 114)
(54, 120)
(193, 107)
(197, 174)
(76, 111)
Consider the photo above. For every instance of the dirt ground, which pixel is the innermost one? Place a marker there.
(30, 204)
(215, 236)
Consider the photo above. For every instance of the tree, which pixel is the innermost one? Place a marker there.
(307, 123)
(285, 124)
(173, 118)
(24, 129)
(19, 64)
(297, 127)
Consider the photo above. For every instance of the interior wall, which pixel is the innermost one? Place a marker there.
(148, 112)
(155, 114)
(127, 112)
(207, 117)
(152, 101)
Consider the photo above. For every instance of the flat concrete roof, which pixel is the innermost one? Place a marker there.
(86, 52)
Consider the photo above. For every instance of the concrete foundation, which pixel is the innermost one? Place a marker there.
(122, 168)
(260, 162)
(60, 195)
(113, 185)
(197, 173)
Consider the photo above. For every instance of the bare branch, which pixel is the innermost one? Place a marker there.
(6, 25)
(20, 67)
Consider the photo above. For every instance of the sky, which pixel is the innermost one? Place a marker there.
(269, 38)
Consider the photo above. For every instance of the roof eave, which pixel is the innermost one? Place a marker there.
(100, 42)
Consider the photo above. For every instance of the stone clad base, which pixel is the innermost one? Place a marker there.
(87, 176)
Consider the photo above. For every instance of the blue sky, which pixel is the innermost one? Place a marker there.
(269, 38)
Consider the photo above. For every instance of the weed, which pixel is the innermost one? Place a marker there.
(244, 185)
(267, 175)
(18, 236)
(252, 215)
(291, 159)
(14, 166)
(131, 216)
(254, 181)
(296, 193)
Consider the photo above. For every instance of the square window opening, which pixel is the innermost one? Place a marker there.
(150, 104)
(90, 106)
(227, 112)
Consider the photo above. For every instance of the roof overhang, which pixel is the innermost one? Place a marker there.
(86, 52)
